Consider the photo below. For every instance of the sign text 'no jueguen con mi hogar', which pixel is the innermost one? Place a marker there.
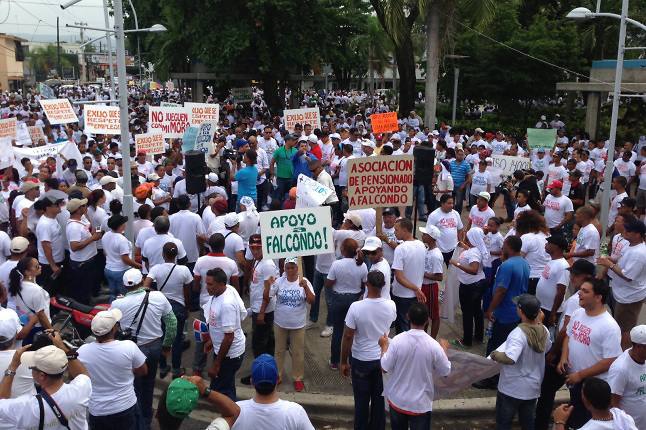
(382, 181)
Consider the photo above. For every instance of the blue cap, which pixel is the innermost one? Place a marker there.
(71, 162)
(264, 371)
(240, 142)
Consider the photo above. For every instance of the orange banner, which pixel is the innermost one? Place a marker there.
(384, 122)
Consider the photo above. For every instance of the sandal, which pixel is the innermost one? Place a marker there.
(459, 344)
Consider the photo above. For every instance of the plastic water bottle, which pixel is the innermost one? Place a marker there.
(552, 331)
(489, 330)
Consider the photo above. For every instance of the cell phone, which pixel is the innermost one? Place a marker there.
(98, 229)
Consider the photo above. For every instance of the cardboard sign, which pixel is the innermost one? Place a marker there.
(22, 134)
(169, 104)
(203, 112)
(242, 95)
(36, 133)
(102, 119)
(311, 116)
(204, 137)
(152, 143)
(382, 181)
(40, 153)
(296, 232)
(384, 122)
(509, 164)
(309, 193)
(8, 128)
(541, 138)
(46, 91)
(465, 370)
(172, 121)
(188, 139)
(58, 111)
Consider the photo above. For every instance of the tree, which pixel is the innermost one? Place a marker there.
(374, 47)
(45, 59)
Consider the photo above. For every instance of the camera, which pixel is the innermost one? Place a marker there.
(232, 154)
(41, 340)
(125, 334)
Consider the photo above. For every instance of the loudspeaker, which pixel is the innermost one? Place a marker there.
(195, 171)
(424, 165)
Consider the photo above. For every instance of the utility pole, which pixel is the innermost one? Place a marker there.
(83, 49)
(58, 50)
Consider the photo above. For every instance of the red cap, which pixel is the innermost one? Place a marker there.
(141, 151)
(556, 184)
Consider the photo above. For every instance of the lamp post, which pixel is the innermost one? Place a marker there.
(456, 69)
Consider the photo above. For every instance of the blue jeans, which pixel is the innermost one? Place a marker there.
(471, 304)
(225, 382)
(403, 304)
(115, 282)
(506, 408)
(367, 386)
(83, 277)
(510, 205)
(144, 385)
(418, 190)
(459, 196)
(176, 355)
(401, 421)
(130, 419)
(283, 185)
(319, 284)
(340, 305)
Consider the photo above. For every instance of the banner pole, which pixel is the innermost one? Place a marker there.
(300, 268)
(379, 220)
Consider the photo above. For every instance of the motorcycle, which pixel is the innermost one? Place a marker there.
(73, 320)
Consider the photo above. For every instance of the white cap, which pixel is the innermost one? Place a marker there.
(638, 334)
(367, 142)
(291, 260)
(371, 244)
(335, 136)
(484, 195)
(435, 133)
(9, 323)
(213, 177)
(543, 117)
(18, 244)
(107, 179)
(302, 139)
(431, 230)
(489, 160)
(104, 321)
(479, 130)
(231, 219)
(49, 359)
(353, 218)
(153, 177)
(132, 277)
(313, 138)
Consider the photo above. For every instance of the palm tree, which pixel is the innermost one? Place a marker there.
(374, 44)
(45, 59)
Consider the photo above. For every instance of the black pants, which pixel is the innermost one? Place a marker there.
(531, 286)
(53, 286)
(552, 382)
(262, 335)
(447, 257)
(580, 415)
(471, 304)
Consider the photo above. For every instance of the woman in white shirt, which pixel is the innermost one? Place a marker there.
(347, 278)
(289, 318)
(98, 217)
(533, 231)
(30, 298)
(473, 284)
(117, 255)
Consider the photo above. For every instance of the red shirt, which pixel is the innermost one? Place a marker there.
(316, 151)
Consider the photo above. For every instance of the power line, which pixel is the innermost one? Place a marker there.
(76, 5)
(8, 12)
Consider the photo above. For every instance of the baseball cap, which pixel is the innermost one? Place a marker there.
(255, 240)
(49, 359)
(264, 371)
(388, 211)
(29, 185)
(485, 195)
(582, 267)
(292, 260)
(529, 304)
(302, 139)
(559, 241)
(81, 176)
(181, 397)
(74, 204)
(431, 230)
(638, 334)
(540, 150)
(353, 218)
(367, 142)
(104, 321)
(132, 277)
(153, 177)
(9, 323)
(72, 162)
(543, 117)
(479, 130)
(213, 177)
(141, 152)
(292, 137)
(19, 244)
(221, 205)
(628, 201)
(107, 179)
(636, 226)
(313, 138)
(231, 219)
(556, 184)
(51, 201)
(371, 244)
(335, 136)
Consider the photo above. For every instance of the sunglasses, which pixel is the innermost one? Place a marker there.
(370, 252)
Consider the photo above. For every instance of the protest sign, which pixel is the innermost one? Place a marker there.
(384, 122)
(46, 91)
(8, 128)
(36, 133)
(58, 111)
(375, 182)
(541, 138)
(169, 104)
(242, 95)
(204, 137)
(152, 143)
(202, 112)
(102, 119)
(465, 370)
(296, 232)
(39, 154)
(309, 193)
(311, 116)
(22, 135)
(188, 139)
(509, 164)
(172, 121)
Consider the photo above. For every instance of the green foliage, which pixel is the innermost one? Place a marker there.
(44, 60)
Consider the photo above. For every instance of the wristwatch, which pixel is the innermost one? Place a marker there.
(72, 355)
(9, 372)
(207, 392)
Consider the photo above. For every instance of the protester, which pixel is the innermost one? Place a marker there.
(30, 298)
(550, 290)
(533, 232)
(117, 255)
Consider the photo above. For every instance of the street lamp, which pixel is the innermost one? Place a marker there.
(456, 74)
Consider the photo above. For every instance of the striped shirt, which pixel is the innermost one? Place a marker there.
(459, 172)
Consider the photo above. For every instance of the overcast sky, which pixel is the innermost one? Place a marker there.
(35, 20)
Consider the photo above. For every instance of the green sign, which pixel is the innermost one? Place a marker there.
(296, 232)
(541, 138)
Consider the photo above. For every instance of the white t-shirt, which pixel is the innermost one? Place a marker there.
(341, 235)
(626, 379)
(158, 306)
(110, 366)
(467, 257)
(186, 226)
(592, 339)
(449, 224)
(412, 360)
(324, 262)
(347, 276)
(383, 267)
(114, 246)
(410, 258)
(5, 270)
(633, 266)
(614, 207)
(569, 306)
(529, 367)
(72, 399)
(262, 271)
(32, 299)
(494, 242)
(370, 319)
(174, 287)
(480, 181)
(626, 169)
(620, 420)
(555, 173)
(5, 250)
(291, 308)
(588, 238)
(153, 248)
(554, 273)
(248, 226)
(232, 243)
(480, 218)
(433, 264)
(224, 315)
(213, 261)
(49, 230)
(78, 231)
(556, 208)
(520, 209)
(642, 177)
(534, 249)
(283, 414)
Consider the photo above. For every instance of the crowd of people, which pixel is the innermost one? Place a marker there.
(539, 286)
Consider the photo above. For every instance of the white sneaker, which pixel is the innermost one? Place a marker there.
(311, 324)
(327, 332)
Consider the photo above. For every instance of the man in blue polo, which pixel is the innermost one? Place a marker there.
(302, 158)
(460, 170)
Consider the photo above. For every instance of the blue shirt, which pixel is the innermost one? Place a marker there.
(301, 165)
(459, 172)
(246, 178)
(512, 275)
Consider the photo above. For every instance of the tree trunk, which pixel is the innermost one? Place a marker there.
(432, 65)
(407, 78)
(270, 88)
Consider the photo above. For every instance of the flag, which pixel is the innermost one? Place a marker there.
(201, 330)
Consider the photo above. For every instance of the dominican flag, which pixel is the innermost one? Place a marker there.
(201, 330)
